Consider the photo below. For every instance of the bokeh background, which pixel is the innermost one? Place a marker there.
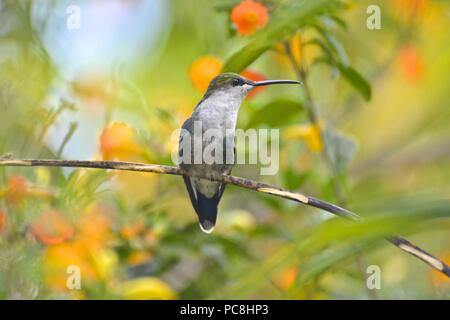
(112, 79)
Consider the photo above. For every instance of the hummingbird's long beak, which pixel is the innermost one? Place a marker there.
(269, 82)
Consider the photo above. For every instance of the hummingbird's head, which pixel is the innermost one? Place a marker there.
(236, 85)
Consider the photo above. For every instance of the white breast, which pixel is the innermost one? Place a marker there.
(219, 111)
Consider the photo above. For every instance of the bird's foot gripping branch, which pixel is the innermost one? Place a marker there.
(401, 243)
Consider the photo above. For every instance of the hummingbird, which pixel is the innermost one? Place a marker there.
(217, 110)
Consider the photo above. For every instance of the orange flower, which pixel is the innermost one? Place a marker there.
(17, 190)
(3, 221)
(287, 278)
(118, 142)
(52, 228)
(131, 231)
(411, 62)
(203, 70)
(138, 257)
(254, 76)
(407, 9)
(94, 227)
(249, 16)
(438, 278)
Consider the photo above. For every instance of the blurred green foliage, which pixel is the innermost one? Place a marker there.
(135, 235)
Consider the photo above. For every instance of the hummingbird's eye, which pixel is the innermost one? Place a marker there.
(236, 82)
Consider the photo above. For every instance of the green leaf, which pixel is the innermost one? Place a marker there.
(276, 113)
(327, 51)
(356, 80)
(282, 25)
(327, 245)
(293, 180)
(225, 5)
(333, 44)
(339, 22)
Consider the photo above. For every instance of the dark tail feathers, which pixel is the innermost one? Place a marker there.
(207, 212)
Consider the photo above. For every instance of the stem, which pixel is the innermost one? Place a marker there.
(73, 127)
(314, 118)
(403, 244)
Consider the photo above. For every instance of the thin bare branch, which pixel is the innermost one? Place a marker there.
(403, 244)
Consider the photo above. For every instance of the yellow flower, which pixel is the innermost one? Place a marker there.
(203, 70)
(241, 220)
(43, 176)
(148, 288)
(89, 250)
(96, 265)
(58, 258)
(309, 133)
(295, 44)
(105, 262)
